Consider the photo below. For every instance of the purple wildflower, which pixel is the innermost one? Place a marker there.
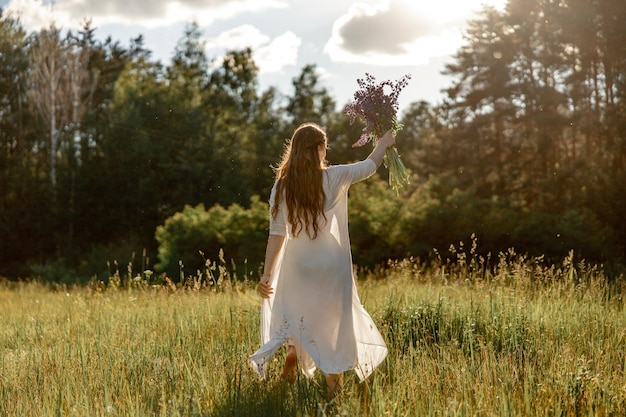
(375, 108)
(378, 110)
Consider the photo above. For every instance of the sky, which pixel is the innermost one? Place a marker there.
(344, 39)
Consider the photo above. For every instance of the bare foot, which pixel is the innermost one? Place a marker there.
(290, 371)
(334, 384)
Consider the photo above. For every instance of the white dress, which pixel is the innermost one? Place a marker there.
(315, 305)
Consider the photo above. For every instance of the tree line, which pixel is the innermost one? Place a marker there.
(100, 144)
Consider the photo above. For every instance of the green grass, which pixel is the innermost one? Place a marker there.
(518, 339)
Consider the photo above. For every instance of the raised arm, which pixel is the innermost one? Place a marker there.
(384, 142)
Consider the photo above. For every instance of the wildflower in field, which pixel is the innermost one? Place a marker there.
(376, 105)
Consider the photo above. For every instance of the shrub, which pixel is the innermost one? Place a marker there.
(187, 236)
(432, 215)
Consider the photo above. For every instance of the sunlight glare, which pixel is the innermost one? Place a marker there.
(445, 11)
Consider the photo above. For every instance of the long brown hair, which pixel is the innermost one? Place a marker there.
(299, 180)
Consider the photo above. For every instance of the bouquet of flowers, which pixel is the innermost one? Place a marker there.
(378, 110)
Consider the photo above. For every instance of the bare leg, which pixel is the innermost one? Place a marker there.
(334, 383)
(290, 371)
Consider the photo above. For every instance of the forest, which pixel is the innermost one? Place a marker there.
(109, 157)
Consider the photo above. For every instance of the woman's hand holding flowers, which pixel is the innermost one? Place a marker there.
(388, 139)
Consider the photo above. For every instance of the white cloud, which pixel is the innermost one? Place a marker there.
(68, 14)
(237, 38)
(270, 55)
(282, 51)
(36, 15)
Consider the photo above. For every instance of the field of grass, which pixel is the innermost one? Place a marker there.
(518, 339)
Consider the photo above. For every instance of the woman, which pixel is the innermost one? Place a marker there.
(310, 298)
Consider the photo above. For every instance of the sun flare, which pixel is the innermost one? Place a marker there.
(445, 11)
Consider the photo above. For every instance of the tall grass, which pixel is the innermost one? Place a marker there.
(521, 338)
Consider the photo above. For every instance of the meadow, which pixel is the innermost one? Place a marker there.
(518, 338)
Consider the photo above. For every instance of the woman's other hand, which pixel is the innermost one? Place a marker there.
(264, 288)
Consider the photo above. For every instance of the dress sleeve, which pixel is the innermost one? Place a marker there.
(277, 225)
(350, 173)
